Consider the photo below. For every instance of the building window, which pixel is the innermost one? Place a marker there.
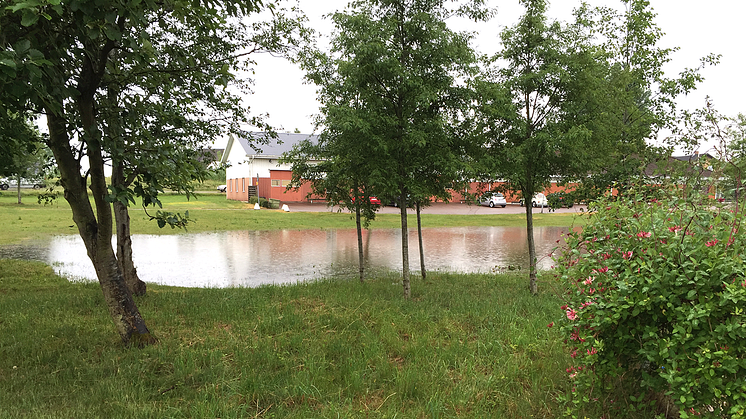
(243, 184)
(230, 185)
(278, 182)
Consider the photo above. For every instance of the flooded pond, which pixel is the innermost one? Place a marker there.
(252, 258)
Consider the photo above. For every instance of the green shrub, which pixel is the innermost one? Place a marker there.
(656, 302)
(265, 203)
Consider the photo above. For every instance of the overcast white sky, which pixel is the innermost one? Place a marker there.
(696, 27)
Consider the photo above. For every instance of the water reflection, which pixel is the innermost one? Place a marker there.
(251, 258)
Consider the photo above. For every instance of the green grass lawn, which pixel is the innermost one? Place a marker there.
(467, 346)
(212, 212)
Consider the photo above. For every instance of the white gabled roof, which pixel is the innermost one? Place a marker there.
(259, 144)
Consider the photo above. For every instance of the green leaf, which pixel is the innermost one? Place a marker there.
(22, 46)
(112, 33)
(8, 62)
(29, 17)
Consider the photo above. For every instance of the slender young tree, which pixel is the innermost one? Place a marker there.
(394, 67)
(528, 133)
(635, 99)
(335, 167)
(574, 101)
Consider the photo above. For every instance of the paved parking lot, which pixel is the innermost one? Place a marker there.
(440, 208)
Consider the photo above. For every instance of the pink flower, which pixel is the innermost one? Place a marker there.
(674, 229)
(592, 351)
(644, 234)
(550, 324)
(711, 243)
(588, 281)
(627, 255)
(571, 314)
(574, 354)
(603, 270)
(606, 256)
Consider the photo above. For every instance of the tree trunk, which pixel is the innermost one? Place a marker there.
(531, 247)
(404, 245)
(18, 188)
(419, 235)
(96, 228)
(124, 238)
(361, 259)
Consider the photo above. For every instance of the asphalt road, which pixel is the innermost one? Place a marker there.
(441, 208)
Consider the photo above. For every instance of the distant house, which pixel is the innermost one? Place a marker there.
(254, 168)
(685, 163)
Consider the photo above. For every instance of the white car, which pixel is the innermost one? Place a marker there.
(539, 200)
(8, 183)
(222, 188)
(493, 200)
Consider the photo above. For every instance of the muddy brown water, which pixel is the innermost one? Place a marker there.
(253, 258)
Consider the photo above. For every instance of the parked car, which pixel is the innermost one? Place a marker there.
(373, 200)
(222, 188)
(539, 200)
(8, 183)
(493, 200)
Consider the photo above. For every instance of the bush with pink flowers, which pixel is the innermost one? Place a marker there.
(656, 303)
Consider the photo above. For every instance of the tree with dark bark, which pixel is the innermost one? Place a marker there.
(56, 58)
(157, 132)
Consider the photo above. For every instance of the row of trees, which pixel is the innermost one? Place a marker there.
(410, 111)
(141, 86)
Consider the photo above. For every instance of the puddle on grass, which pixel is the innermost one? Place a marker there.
(253, 258)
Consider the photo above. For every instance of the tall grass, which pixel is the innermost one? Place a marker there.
(467, 346)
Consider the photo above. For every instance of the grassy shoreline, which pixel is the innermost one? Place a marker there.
(212, 212)
(466, 346)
